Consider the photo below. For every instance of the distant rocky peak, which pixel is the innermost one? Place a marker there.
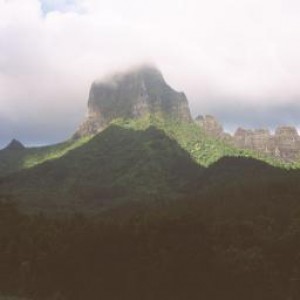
(242, 131)
(210, 125)
(283, 144)
(15, 145)
(134, 94)
(286, 131)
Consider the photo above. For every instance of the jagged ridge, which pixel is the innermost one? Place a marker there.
(284, 144)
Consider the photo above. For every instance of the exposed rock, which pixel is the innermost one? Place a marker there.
(213, 128)
(210, 125)
(15, 145)
(143, 92)
(134, 94)
(262, 141)
(285, 144)
(242, 138)
(257, 139)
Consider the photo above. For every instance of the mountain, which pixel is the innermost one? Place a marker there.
(138, 142)
(131, 95)
(283, 145)
(15, 157)
(141, 95)
(154, 204)
(15, 145)
(115, 166)
(142, 160)
(236, 228)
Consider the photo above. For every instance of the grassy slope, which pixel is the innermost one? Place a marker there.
(121, 163)
(204, 150)
(131, 159)
(15, 160)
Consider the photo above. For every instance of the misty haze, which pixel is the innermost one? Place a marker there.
(149, 150)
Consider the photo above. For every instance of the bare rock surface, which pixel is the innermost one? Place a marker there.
(283, 144)
(135, 94)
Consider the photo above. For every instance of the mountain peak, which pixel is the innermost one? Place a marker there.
(15, 145)
(134, 94)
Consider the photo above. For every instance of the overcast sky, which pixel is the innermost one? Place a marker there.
(236, 59)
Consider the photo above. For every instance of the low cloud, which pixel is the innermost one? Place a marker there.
(238, 60)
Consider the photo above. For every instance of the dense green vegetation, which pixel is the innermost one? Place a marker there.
(172, 214)
(15, 160)
(117, 165)
(203, 149)
(131, 159)
(236, 237)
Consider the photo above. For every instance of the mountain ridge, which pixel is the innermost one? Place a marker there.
(118, 165)
(283, 145)
(142, 93)
(203, 138)
(159, 207)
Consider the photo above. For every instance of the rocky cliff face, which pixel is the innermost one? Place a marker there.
(258, 139)
(211, 127)
(134, 94)
(143, 92)
(283, 144)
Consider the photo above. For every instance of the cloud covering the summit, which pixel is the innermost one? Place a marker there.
(237, 59)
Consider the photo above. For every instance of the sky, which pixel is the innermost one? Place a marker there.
(236, 59)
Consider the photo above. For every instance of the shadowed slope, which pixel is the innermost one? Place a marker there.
(14, 160)
(117, 165)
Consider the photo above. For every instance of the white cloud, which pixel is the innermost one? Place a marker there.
(219, 52)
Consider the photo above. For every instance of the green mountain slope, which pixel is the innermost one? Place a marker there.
(205, 150)
(117, 165)
(12, 161)
(147, 159)
(237, 229)
(168, 229)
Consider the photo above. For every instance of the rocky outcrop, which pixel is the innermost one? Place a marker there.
(143, 92)
(134, 94)
(284, 144)
(258, 139)
(211, 127)
(262, 141)
(15, 145)
(287, 143)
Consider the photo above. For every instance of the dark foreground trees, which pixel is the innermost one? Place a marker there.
(187, 250)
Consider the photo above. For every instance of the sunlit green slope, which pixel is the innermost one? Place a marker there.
(203, 149)
(12, 161)
(121, 163)
(131, 160)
